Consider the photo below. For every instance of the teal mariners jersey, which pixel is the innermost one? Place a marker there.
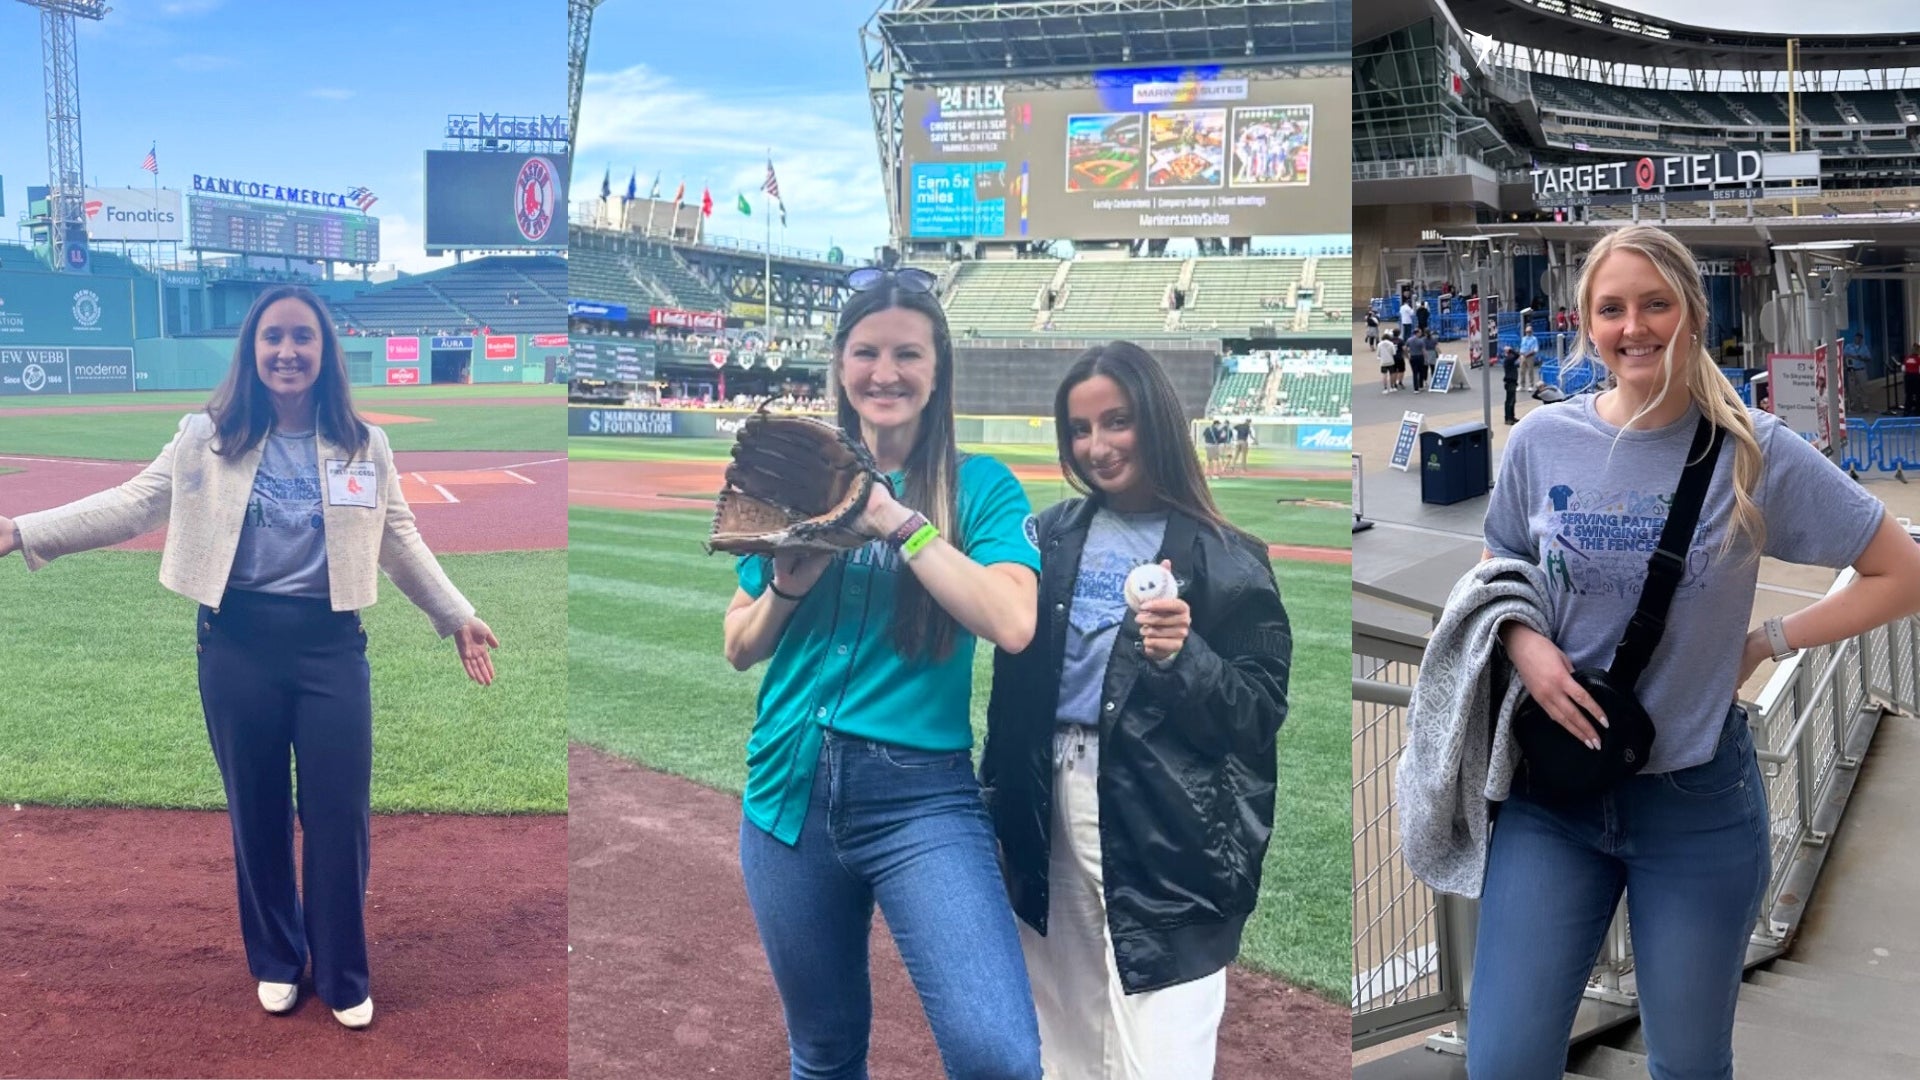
(836, 667)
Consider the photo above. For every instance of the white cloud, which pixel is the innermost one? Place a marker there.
(204, 62)
(330, 93)
(403, 244)
(822, 145)
(1786, 16)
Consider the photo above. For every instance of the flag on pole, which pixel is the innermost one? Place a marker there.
(706, 202)
(606, 184)
(655, 193)
(772, 187)
(152, 164)
(679, 195)
(745, 207)
(632, 179)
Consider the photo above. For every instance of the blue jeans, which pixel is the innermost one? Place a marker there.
(1691, 849)
(905, 828)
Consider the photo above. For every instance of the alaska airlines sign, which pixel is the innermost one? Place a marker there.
(254, 189)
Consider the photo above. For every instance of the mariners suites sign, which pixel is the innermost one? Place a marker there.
(1727, 174)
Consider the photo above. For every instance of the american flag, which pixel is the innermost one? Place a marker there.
(152, 164)
(363, 198)
(772, 187)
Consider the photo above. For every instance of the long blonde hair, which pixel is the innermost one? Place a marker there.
(1687, 352)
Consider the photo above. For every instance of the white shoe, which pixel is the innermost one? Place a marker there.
(276, 997)
(357, 1017)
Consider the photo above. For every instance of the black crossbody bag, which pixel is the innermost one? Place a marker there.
(1559, 765)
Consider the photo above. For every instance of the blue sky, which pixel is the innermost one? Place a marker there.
(703, 91)
(330, 96)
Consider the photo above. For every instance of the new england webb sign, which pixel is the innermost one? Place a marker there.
(38, 372)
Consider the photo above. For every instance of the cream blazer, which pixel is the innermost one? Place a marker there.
(202, 499)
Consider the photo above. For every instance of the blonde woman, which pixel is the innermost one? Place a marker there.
(1583, 493)
(281, 506)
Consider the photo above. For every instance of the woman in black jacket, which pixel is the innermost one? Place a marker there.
(1130, 753)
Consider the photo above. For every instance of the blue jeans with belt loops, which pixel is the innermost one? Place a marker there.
(906, 829)
(1690, 848)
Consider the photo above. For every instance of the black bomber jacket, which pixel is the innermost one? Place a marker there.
(1187, 758)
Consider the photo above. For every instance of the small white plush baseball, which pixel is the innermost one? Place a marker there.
(1150, 581)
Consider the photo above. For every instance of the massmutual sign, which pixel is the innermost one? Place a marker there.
(1724, 175)
(260, 189)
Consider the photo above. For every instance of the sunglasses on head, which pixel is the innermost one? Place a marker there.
(908, 278)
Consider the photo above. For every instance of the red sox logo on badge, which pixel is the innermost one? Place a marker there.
(534, 198)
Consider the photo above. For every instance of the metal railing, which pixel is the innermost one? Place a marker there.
(1413, 953)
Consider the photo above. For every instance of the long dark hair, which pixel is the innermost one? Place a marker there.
(242, 407)
(921, 627)
(1160, 439)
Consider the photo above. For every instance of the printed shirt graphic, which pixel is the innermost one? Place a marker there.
(1116, 543)
(283, 539)
(1586, 502)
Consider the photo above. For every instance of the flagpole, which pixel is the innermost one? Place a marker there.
(767, 211)
(653, 200)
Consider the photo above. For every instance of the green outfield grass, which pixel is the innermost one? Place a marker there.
(138, 436)
(647, 681)
(608, 448)
(365, 396)
(100, 705)
(1255, 504)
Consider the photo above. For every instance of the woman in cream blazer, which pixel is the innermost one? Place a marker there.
(280, 505)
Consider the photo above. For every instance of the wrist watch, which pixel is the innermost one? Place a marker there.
(1776, 630)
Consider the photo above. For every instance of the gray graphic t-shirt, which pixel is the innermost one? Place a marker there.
(283, 541)
(1116, 543)
(1589, 511)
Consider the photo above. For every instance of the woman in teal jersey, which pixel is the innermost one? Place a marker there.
(860, 785)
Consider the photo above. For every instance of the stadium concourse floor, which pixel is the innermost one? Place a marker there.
(1418, 551)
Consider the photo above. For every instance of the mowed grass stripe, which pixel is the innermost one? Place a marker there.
(103, 705)
(138, 436)
(652, 685)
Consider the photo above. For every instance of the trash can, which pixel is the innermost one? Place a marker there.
(1455, 464)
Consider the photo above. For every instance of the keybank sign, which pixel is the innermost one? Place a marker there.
(257, 189)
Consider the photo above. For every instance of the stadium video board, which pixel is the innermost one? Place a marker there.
(1143, 152)
(483, 199)
(295, 232)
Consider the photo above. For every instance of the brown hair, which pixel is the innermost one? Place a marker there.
(242, 409)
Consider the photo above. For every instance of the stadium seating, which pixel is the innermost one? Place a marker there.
(596, 273)
(1116, 297)
(1238, 392)
(997, 297)
(687, 291)
(1227, 292)
(1317, 396)
(465, 297)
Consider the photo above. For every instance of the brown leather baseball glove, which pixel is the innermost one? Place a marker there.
(795, 484)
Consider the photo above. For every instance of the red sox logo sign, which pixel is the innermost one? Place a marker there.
(534, 197)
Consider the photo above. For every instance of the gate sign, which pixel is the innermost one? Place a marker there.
(403, 376)
(502, 346)
(460, 342)
(403, 348)
(1408, 438)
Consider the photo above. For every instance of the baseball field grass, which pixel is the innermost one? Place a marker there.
(111, 713)
(647, 681)
(139, 436)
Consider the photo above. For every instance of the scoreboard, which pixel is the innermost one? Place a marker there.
(614, 361)
(298, 232)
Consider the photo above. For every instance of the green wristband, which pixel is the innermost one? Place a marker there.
(921, 538)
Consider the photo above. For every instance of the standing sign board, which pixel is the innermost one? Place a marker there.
(1796, 392)
(1404, 443)
(1442, 380)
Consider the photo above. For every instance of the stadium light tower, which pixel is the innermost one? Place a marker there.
(579, 28)
(66, 175)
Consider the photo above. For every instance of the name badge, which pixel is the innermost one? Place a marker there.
(350, 483)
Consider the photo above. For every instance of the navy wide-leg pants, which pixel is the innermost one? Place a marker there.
(285, 679)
